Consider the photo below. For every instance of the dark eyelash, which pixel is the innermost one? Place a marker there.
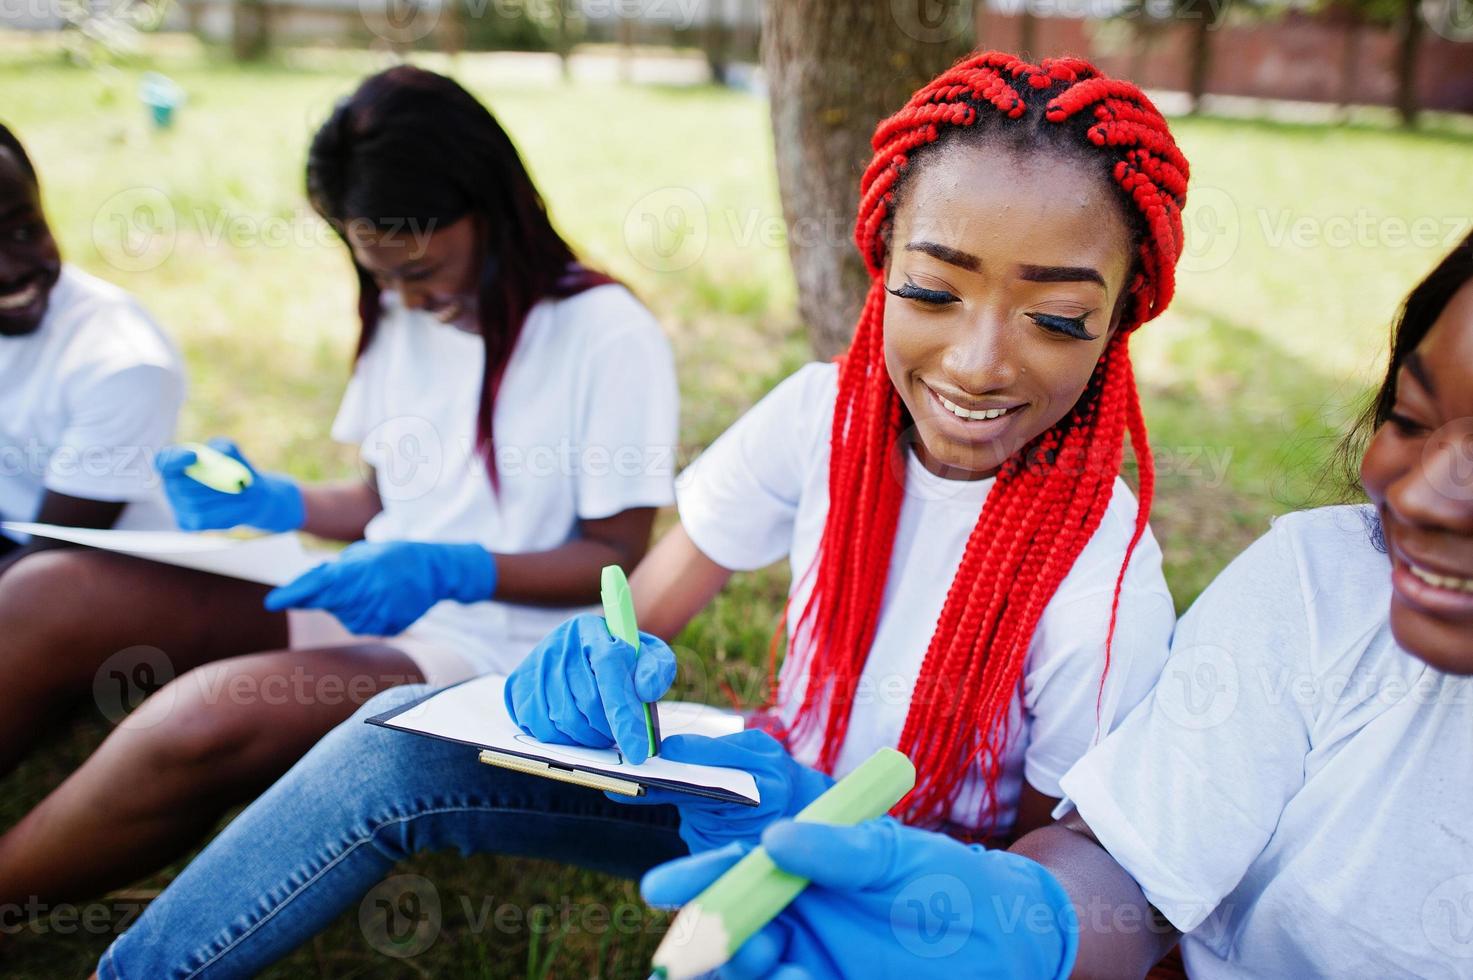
(1405, 425)
(935, 297)
(1069, 326)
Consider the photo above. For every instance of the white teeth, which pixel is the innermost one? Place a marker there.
(1442, 581)
(15, 301)
(963, 413)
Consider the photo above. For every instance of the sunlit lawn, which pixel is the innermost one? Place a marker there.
(1299, 255)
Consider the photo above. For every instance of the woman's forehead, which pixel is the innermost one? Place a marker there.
(997, 203)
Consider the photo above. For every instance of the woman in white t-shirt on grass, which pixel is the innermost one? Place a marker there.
(1293, 799)
(948, 497)
(517, 416)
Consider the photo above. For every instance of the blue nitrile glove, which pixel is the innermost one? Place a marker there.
(887, 900)
(271, 502)
(379, 588)
(785, 785)
(583, 686)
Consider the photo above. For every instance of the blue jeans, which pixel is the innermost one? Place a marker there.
(331, 828)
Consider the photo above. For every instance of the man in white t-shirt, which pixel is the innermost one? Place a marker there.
(90, 387)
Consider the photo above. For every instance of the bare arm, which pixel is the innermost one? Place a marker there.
(569, 574)
(1120, 933)
(673, 584)
(58, 508)
(340, 511)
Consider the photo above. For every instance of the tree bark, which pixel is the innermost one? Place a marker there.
(834, 69)
(1406, 63)
(1201, 69)
(250, 31)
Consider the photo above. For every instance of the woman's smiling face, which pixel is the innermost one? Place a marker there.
(1005, 274)
(1418, 471)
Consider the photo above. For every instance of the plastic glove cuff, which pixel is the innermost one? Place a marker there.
(283, 506)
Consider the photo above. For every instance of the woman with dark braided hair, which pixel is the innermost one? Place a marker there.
(466, 542)
(972, 580)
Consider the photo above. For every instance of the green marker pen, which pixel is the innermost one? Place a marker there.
(216, 470)
(752, 892)
(619, 614)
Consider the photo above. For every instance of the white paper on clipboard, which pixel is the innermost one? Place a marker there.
(271, 559)
(473, 713)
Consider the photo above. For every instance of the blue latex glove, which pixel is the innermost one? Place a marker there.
(890, 901)
(271, 502)
(379, 588)
(582, 686)
(785, 785)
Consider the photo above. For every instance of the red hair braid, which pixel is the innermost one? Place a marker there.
(1047, 500)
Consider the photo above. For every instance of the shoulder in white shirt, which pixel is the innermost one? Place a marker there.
(585, 426)
(86, 400)
(1295, 793)
(761, 492)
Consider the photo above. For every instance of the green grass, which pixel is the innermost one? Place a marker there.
(1248, 379)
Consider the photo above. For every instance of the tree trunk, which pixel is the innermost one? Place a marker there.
(1406, 62)
(1027, 33)
(250, 31)
(1350, 59)
(1201, 69)
(564, 40)
(716, 39)
(836, 68)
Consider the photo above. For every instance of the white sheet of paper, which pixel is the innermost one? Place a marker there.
(475, 713)
(271, 559)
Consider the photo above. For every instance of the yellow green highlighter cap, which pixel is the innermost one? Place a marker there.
(619, 614)
(752, 892)
(216, 470)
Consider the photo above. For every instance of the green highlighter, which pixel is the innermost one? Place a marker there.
(714, 924)
(619, 614)
(216, 470)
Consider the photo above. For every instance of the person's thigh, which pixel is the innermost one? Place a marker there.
(68, 610)
(364, 798)
(248, 718)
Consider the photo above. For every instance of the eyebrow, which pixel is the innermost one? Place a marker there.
(1417, 368)
(1059, 273)
(947, 254)
(1028, 273)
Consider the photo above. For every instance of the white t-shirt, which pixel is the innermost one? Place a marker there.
(761, 492)
(585, 426)
(1296, 794)
(86, 400)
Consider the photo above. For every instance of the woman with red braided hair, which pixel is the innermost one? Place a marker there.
(972, 581)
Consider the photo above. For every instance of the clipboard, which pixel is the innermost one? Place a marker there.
(473, 713)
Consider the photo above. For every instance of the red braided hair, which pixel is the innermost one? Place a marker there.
(1048, 499)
